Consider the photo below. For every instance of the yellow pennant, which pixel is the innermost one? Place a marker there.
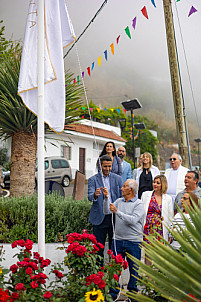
(99, 61)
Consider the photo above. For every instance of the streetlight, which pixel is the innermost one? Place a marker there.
(139, 126)
(131, 105)
(198, 140)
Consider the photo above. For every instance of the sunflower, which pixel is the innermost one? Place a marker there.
(94, 296)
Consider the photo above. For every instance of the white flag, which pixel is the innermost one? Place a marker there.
(58, 34)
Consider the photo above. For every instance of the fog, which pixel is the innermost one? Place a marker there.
(139, 67)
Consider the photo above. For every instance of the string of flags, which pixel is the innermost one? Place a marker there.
(128, 32)
(105, 109)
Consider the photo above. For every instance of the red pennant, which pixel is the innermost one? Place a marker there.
(118, 39)
(82, 116)
(144, 12)
(74, 81)
(88, 69)
(125, 110)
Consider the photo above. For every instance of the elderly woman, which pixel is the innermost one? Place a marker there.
(109, 149)
(186, 202)
(158, 210)
(145, 174)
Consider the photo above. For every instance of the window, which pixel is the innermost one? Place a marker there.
(97, 148)
(66, 152)
(64, 163)
(55, 163)
(46, 164)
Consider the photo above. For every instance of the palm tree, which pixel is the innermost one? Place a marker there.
(17, 122)
(176, 275)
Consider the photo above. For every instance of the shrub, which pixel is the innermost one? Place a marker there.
(18, 217)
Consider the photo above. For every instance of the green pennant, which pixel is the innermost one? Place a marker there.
(78, 79)
(127, 30)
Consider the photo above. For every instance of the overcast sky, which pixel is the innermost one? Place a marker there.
(139, 68)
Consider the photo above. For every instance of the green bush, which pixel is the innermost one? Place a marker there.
(18, 217)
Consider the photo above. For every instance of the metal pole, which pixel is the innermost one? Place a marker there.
(40, 125)
(133, 137)
(199, 155)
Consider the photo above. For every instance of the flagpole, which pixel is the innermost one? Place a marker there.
(40, 130)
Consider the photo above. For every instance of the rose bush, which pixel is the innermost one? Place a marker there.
(85, 280)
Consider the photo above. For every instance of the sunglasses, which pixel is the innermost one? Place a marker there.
(170, 159)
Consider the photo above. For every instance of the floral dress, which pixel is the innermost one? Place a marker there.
(154, 219)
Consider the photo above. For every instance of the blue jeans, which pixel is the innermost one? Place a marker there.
(134, 249)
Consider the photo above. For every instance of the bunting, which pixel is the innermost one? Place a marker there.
(105, 53)
(99, 61)
(134, 22)
(112, 48)
(127, 30)
(144, 12)
(192, 11)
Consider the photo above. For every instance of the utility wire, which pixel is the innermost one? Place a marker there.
(188, 72)
(92, 20)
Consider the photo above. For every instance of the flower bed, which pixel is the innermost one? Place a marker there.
(84, 281)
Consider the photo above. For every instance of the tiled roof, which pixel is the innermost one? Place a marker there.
(98, 132)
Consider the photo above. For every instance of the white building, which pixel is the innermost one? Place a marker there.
(82, 143)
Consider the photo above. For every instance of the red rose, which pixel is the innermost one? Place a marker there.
(45, 263)
(28, 244)
(119, 259)
(59, 275)
(29, 270)
(34, 284)
(19, 286)
(36, 255)
(125, 266)
(101, 285)
(110, 252)
(33, 265)
(14, 296)
(14, 268)
(116, 277)
(101, 246)
(14, 244)
(47, 295)
(21, 242)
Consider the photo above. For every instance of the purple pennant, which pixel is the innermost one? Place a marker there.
(83, 74)
(134, 22)
(192, 10)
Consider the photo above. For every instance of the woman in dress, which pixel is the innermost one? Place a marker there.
(145, 174)
(158, 210)
(186, 201)
(110, 150)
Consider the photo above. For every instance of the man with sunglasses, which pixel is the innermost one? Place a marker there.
(175, 176)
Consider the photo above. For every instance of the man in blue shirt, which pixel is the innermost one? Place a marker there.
(103, 183)
(127, 174)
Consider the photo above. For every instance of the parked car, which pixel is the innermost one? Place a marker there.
(56, 169)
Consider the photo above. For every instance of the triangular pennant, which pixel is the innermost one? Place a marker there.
(192, 11)
(112, 109)
(83, 74)
(118, 39)
(112, 48)
(152, 1)
(134, 22)
(124, 110)
(91, 109)
(127, 30)
(98, 109)
(92, 67)
(118, 110)
(99, 61)
(105, 53)
(144, 12)
(88, 69)
(78, 79)
(74, 80)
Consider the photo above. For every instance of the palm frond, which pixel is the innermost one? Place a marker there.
(175, 274)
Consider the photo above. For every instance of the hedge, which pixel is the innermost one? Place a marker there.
(18, 217)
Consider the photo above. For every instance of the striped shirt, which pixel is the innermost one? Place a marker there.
(178, 221)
